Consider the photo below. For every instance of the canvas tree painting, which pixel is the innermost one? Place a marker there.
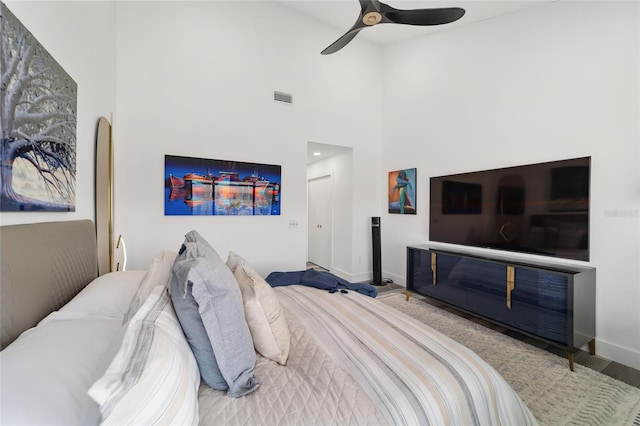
(38, 124)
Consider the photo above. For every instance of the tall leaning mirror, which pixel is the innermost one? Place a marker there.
(104, 195)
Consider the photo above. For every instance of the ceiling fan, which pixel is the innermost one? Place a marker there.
(373, 12)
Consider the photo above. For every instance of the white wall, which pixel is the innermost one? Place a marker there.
(555, 82)
(79, 35)
(197, 79)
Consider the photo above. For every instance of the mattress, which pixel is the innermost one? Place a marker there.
(354, 360)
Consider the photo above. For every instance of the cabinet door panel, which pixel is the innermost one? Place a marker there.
(419, 273)
(541, 288)
(553, 292)
(484, 282)
(539, 304)
(446, 288)
(422, 277)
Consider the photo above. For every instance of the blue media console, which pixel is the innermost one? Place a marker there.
(548, 301)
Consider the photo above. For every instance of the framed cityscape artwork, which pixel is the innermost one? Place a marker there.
(206, 187)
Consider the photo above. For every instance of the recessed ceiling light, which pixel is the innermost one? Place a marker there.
(317, 153)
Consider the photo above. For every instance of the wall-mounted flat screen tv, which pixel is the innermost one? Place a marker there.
(538, 208)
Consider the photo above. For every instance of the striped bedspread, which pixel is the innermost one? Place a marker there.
(412, 373)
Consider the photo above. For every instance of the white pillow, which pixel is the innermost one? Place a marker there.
(233, 260)
(106, 297)
(159, 273)
(48, 370)
(265, 316)
(154, 377)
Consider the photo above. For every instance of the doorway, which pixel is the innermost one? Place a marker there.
(329, 207)
(320, 219)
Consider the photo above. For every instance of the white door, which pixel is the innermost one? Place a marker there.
(320, 222)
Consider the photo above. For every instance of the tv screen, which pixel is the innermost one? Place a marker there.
(538, 208)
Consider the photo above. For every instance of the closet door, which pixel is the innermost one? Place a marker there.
(320, 222)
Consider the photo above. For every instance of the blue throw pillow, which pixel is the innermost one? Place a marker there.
(187, 311)
(207, 296)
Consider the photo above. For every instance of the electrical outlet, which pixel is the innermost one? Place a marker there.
(293, 224)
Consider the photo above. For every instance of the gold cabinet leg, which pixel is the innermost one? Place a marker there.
(408, 295)
(570, 357)
(592, 346)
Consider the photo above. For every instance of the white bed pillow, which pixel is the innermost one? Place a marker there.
(159, 273)
(154, 378)
(106, 297)
(233, 260)
(265, 316)
(48, 370)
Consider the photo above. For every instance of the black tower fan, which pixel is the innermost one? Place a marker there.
(377, 256)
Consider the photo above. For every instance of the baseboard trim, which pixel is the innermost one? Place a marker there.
(368, 276)
(342, 274)
(617, 353)
(397, 279)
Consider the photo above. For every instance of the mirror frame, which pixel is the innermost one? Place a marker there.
(104, 195)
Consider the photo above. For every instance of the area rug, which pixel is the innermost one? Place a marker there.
(554, 394)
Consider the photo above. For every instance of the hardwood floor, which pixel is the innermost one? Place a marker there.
(625, 374)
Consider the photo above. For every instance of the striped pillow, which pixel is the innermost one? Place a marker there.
(154, 378)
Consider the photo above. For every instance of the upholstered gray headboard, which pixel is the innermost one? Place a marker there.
(43, 266)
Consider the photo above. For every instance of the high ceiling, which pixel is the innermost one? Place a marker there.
(342, 14)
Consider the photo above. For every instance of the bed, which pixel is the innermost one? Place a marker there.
(120, 348)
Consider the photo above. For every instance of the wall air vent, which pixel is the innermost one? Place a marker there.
(283, 97)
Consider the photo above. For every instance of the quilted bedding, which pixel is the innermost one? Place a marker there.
(312, 389)
(354, 360)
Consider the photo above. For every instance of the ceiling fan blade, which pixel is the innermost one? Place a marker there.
(342, 41)
(366, 6)
(373, 12)
(422, 16)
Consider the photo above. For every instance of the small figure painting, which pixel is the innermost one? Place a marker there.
(402, 191)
